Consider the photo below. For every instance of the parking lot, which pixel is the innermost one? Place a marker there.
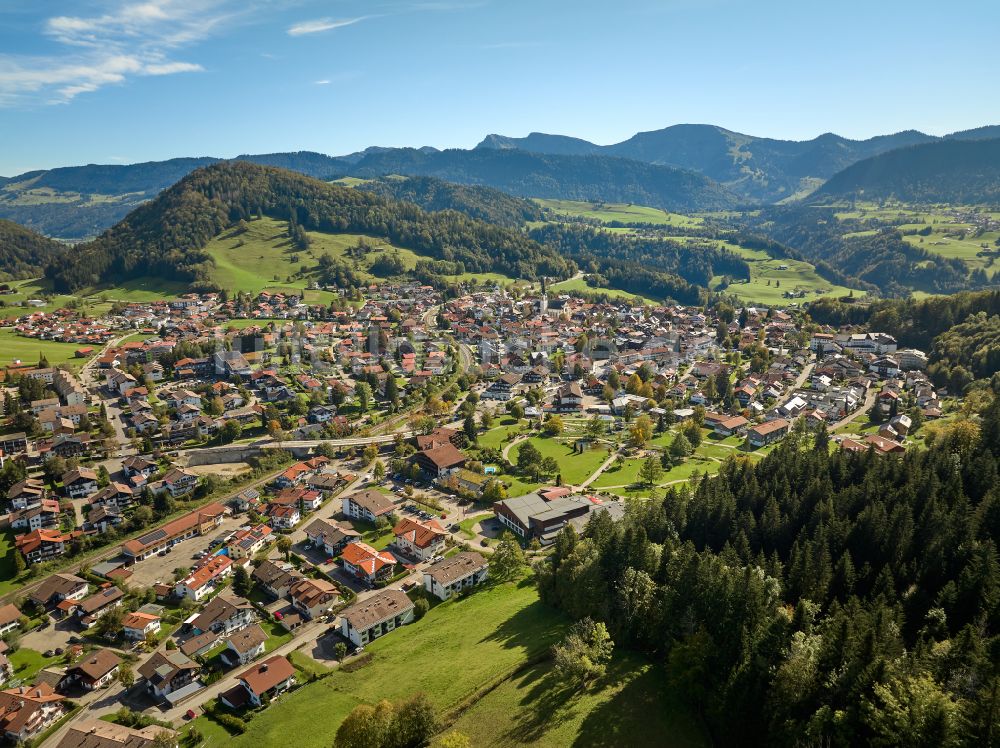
(161, 568)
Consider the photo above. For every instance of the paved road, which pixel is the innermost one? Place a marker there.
(869, 403)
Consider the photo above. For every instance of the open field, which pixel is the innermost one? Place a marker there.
(627, 707)
(263, 258)
(573, 467)
(580, 285)
(620, 212)
(490, 633)
(16, 348)
(792, 275)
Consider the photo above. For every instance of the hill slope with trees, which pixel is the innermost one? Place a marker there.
(952, 171)
(23, 253)
(166, 237)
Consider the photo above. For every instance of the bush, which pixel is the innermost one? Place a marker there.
(232, 723)
(420, 608)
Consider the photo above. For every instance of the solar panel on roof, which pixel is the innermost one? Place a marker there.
(152, 537)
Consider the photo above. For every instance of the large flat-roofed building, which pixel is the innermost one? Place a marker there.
(531, 516)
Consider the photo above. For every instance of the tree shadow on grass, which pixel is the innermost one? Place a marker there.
(548, 702)
(644, 712)
(533, 628)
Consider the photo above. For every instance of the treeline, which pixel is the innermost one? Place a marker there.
(815, 597)
(23, 253)
(883, 260)
(165, 237)
(476, 201)
(696, 265)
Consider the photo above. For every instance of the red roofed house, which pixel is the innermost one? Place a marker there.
(268, 678)
(203, 580)
(27, 711)
(364, 562)
(420, 539)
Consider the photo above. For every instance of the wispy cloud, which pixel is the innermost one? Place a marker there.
(123, 39)
(319, 25)
(324, 82)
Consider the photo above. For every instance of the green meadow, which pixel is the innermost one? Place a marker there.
(14, 348)
(620, 212)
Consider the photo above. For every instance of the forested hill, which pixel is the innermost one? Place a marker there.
(556, 176)
(816, 597)
(484, 203)
(950, 171)
(166, 236)
(23, 253)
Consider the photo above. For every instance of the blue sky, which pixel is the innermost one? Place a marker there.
(119, 81)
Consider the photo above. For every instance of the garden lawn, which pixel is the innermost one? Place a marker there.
(8, 570)
(27, 663)
(574, 467)
(457, 648)
(627, 707)
(17, 348)
(276, 635)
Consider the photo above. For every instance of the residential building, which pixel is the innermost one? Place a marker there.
(28, 711)
(366, 620)
(249, 541)
(367, 505)
(96, 670)
(96, 733)
(58, 587)
(224, 615)
(265, 680)
(420, 539)
(166, 672)
(205, 578)
(366, 563)
(313, 597)
(455, 573)
(137, 626)
(246, 645)
(329, 536)
(768, 432)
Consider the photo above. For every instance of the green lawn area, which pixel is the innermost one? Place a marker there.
(17, 348)
(579, 284)
(793, 275)
(947, 242)
(276, 635)
(140, 290)
(574, 467)
(8, 582)
(376, 538)
(620, 212)
(263, 257)
(27, 662)
(496, 437)
(630, 705)
(469, 522)
(457, 648)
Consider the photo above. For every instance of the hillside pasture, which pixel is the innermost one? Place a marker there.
(618, 212)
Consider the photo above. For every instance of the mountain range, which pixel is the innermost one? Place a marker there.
(682, 168)
(756, 169)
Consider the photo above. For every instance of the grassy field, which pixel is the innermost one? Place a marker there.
(574, 467)
(16, 348)
(793, 275)
(27, 662)
(620, 212)
(454, 650)
(580, 285)
(264, 258)
(8, 581)
(630, 705)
